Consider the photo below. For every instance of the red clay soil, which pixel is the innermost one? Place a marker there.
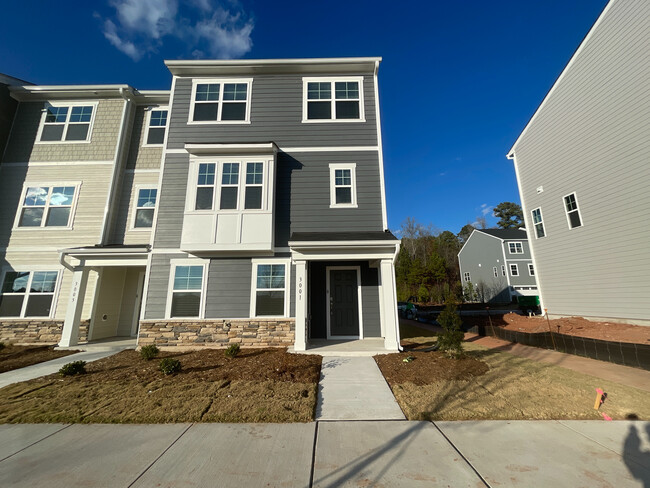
(576, 326)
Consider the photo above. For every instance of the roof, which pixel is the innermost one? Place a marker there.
(506, 234)
(342, 236)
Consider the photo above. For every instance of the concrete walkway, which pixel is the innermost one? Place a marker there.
(353, 388)
(328, 454)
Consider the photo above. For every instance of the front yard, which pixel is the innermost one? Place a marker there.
(15, 357)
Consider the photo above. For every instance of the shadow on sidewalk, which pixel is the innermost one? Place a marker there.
(632, 454)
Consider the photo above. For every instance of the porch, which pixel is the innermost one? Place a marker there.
(346, 348)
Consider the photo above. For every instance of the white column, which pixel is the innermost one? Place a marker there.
(389, 319)
(301, 306)
(70, 335)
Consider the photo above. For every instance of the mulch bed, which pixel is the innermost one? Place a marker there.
(15, 357)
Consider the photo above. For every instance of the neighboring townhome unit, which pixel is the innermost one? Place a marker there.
(498, 265)
(583, 169)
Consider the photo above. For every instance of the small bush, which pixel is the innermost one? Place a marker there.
(233, 350)
(451, 340)
(149, 352)
(71, 369)
(170, 366)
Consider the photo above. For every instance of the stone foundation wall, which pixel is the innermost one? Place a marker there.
(217, 333)
(36, 331)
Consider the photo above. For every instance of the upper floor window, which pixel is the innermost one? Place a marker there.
(144, 208)
(47, 206)
(27, 293)
(495, 271)
(531, 270)
(156, 125)
(572, 211)
(235, 191)
(514, 270)
(466, 276)
(333, 99)
(343, 185)
(503, 270)
(215, 101)
(66, 123)
(538, 222)
(515, 248)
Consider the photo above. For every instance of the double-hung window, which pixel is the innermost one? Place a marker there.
(66, 123)
(343, 185)
(156, 126)
(145, 206)
(226, 101)
(531, 270)
(205, 186)
(503, 270)
(47, 206)
(333, 99)
(186, 290)
(538, 223)
(270, 289)
(466, 276)
(495, 271)
(28, 293)
(254, 186)
(515, 248)
(514, 270)
(234, 185)
(229, 186)
(572, 211)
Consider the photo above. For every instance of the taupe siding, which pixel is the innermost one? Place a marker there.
(591, 137)
(229, 289)
(276, 115)
(142, 157)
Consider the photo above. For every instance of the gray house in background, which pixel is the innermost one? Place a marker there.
(498, 264)
(583, 170)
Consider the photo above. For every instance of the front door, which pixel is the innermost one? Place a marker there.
(344, 303)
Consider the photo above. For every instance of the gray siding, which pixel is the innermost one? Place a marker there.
(276, 115)
(480, 254)
(172, 202)
(229, 289)
(591, 137)
(159, 285)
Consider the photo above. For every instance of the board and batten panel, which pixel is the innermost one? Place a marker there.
(140, 157)
(21, 146)
(124, 232)
(275, 115)
(229, 288)
(591, 137)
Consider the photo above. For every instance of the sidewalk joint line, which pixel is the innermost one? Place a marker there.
(33, 443)
(313, 457)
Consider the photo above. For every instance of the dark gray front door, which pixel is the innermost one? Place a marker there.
(344, 303)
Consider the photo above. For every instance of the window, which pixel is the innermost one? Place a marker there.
(216, 101)
(503, 270)
(466, 276)
(333, 99)
(343, 192)
(538, 223)
(235, 192)
(531, 270)
(270, 298)
(514, 270)
(254, 181)
(156, 125)
(495, 271)
(515, 248)
(572, 211)
(145, 206)
(27, 293)
(47, 206)
(66, 123)
(229, 186)
(187, 291)
(205, 186)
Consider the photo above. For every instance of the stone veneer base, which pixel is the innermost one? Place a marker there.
(40, 332)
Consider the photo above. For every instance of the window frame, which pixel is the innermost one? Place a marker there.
(353, 186)
(145, 135)
(31, 270)
(515, 267)
(135, 208)
(541, 222)
(495, 271)
(332, 80)
(66, 124)
(221, 81)
(173, 264)
(518, 246)
(467, 277)
(503, 270)
(531, 269)
(287, 287)
(49, 185)
(577, 209)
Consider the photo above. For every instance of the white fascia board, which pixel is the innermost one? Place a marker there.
(339, 244)
(239, 149)
(54, 92)
(144, 97)
(105, 252)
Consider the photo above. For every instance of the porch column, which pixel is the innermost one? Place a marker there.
(389, 305)
(70, 334)
(301, 306)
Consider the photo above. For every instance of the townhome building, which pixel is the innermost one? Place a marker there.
(498, 265)
(583, 170)
(246, 205)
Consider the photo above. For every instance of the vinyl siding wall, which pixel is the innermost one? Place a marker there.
(591, 137)
(124, 231)
(142, 158)
(486, 251)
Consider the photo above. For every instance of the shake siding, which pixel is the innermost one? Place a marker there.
(124, 234)
(142, 157)
(591, 138)
(22, 148)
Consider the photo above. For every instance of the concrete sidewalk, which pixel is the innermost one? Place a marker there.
(328, 454)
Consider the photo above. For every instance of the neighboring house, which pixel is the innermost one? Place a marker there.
(258, 216)
(583, 169)
(497, 263)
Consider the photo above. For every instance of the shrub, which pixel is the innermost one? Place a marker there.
(149, 352)
(71, 369)
(170, 366)
(451, 340)
(232, 350)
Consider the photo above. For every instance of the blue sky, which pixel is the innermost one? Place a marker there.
(458, 82)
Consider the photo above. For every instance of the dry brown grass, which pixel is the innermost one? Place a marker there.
(15, 357)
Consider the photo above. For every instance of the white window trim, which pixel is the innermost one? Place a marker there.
(541, 215)
(514, 243)
(531, 269)
(173, 263)
(31, 269)
(467, 277)
(134, 206)
(50, 185)
(566, 211)
(145, 135)
(221, 81)
(516, 268)
(287, 287)
(71, 104)
(495, 271)
(332, 79)
(353, 176)
(503, 270)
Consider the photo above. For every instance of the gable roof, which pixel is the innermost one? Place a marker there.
(506, 234)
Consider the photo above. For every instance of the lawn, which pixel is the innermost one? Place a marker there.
(15, 357)
(259, 385)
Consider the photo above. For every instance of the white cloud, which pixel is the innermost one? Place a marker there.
(486, 209)
(127, 47)
(225, 34)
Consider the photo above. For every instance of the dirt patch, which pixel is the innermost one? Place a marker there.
(15, 357)
(259, 385)
(428, 367)
(576, 326)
